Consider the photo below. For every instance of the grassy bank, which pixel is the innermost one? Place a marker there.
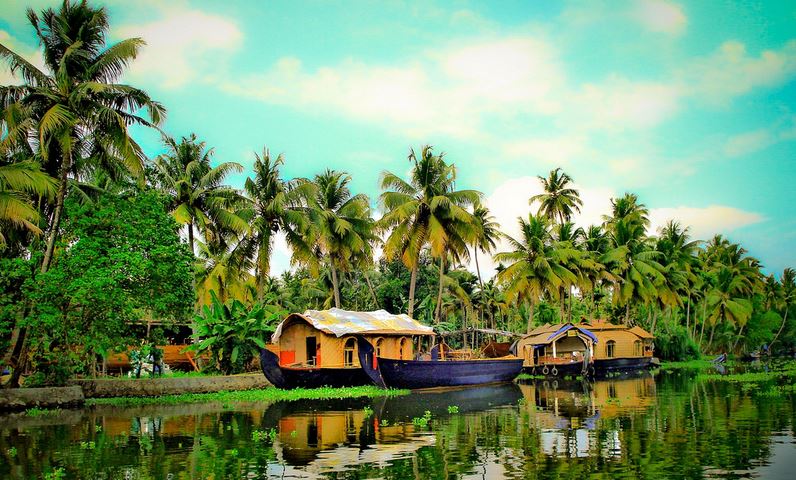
(263, 395)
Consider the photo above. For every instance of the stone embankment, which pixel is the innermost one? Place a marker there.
(79, 390)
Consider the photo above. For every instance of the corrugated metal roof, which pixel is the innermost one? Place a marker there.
(340, 322)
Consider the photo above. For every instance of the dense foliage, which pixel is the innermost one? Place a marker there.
(87, 250)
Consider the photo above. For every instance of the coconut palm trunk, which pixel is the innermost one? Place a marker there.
(530, 317)
(335, 284)
(438, 310)
(20, 349)
(370, 287)
(412, 281)
(782, 326)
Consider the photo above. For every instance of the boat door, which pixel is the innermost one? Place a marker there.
(312, 350)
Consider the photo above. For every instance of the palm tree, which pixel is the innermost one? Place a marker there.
(20, 183)
(198, 195)
(487, 233)
(340, 225)
(632, 260)
(787, 297)
(535, 267)
(678, 259)
(279, 206)
(427, 210)
(222, 268)
(595, 243)
(559, 200)
(78, 116)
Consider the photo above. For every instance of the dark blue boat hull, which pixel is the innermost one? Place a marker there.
(607, 365)
(282, 377)
(418, 374)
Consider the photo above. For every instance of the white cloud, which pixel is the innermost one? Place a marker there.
(706, 221)
(446, 91)
(555, 151)
(182, 45)
(661, 16)
(732, 72)
(748, 142)
(619, 104)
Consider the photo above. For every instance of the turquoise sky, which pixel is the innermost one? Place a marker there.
(688, 104)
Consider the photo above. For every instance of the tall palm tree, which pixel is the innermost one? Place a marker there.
(75, 113)
(632, 259)
(340, 225)
(199, 197)
(787, 297)
(535, 265)
(222, 267)
(595, 243)
(559, 200)
(279, 206)
(426, 210)
(486, 234)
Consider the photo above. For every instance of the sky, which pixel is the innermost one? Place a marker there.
(690, 105)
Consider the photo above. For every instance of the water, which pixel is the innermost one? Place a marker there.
(671, 425)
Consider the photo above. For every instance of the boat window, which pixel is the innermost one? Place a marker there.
(637, 348)
(610, 346)
(379, 343)
(348, 352)
(403, 348)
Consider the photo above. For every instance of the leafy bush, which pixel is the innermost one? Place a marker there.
(674, 344)
(234, 334)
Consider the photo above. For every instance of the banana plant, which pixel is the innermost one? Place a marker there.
(233, 333)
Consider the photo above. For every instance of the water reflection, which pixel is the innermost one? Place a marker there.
(645, 426)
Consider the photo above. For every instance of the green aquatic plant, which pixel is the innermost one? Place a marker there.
(36, 411)
(422, 421)
(55, 474)
(269, 394)
(453, 409)
(88, 445)
(264, 435)
(368, 411)
(12, 452)
(384, 423)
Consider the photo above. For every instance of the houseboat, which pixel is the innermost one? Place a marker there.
(440, 368)
(620, 347)
(562, 349)
(319, 347)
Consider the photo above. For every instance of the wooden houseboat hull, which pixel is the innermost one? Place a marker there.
(420, 374)
(559, 369)
(306, 377)
(607, 365)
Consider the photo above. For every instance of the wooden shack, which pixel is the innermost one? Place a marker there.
(327, 338)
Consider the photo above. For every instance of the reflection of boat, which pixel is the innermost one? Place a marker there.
(436, 371)
(319, 348)
(568, 413)
(563, 349)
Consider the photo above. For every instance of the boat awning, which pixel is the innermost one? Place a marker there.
(569, 326)
(339, 322)
(545, 336)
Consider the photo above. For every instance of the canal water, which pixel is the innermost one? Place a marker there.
(668, 425)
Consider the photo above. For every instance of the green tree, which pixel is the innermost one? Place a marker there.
(232, 333)
(279, 206)
(199, 197)
(632, 260)
(559, 200)
(120, 261)
(340, 226)
(77, 114)
(786, 298)
(427, 210)
(535, 266)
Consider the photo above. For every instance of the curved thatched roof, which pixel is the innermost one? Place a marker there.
(339, 322)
